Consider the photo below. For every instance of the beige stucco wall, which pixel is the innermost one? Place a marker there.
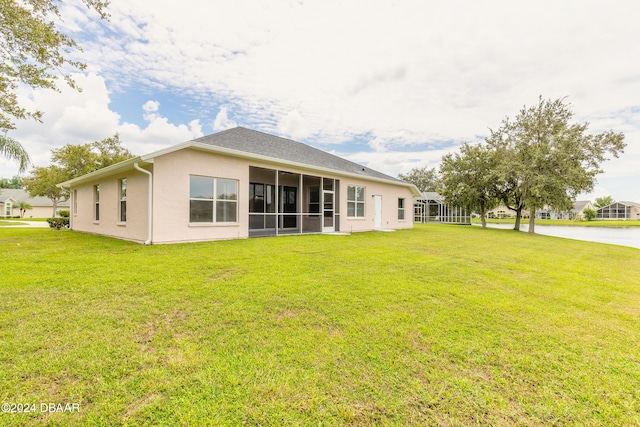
(38, 211)
(135, 228)
(171, 197)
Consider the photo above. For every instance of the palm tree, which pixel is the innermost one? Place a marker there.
(23, 207)
(13, 150)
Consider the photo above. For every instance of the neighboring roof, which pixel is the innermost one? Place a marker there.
(253, 144)
(631, 204)
(578, 205)
(431, 195)
(19, 195)
(622, 203)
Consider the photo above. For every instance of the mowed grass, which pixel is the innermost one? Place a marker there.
(439, 325)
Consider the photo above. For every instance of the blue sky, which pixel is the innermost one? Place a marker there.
(392, 85)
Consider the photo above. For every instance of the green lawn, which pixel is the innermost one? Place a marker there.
(439, 325)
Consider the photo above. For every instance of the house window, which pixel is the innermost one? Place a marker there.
(355, 201)
(123, 200)
(213, 199)
(75, 202)
(96, 201)
(401, 209)
(7, 209)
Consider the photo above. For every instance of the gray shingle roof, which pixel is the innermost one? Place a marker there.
(20, 195)
(278, 148)
(578, 205)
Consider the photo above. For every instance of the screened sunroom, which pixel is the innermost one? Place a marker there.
(283, 202)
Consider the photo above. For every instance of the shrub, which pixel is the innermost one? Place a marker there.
(589, 214)
(64, 213)
(58, 223)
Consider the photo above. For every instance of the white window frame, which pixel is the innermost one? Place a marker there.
(401, 209)
(122, 200)
(355, 202)
(215, 200)
(96, 202)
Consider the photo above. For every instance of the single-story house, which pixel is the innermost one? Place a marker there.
(233, 184)
(619, 210)
(41, 207)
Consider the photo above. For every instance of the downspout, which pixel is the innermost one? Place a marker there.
(150, 203)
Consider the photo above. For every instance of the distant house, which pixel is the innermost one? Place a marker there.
(42, 207)
(235, 184)
(579, 208)
(431, 207)
(576, 212)
(619, 210)
(504, 212)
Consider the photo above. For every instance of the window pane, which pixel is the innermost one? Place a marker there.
(227, 189)
(360, 210)
(360, 194)
(201, 211)
(201, 187)
(226, 211)
(351, 208)
(351, 193)
(123, 189)
(123, 211)
(401, 203)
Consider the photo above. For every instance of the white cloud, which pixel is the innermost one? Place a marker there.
(72, 117)
(293, 125)
(222, 120)
(405, 76)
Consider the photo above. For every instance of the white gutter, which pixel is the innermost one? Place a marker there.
(150, 203)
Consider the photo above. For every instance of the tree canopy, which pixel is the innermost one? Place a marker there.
(424, 179)
(539, 160)
(15, 182)
(72, 161)
(467, 178)
(601, 202)
(33, 52)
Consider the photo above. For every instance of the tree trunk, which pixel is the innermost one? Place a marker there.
(532, 221)
(55, 207)
(518, 217)
(483, 215)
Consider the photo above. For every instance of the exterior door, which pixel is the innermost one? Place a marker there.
(289, 206)
(328, 220)
(377, 219)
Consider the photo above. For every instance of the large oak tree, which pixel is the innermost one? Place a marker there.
(546, 159)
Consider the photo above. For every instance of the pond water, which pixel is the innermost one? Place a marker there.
(624, 236)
